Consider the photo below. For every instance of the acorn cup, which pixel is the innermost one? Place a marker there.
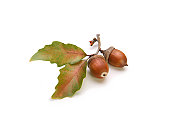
(115, 57)
(98, 66)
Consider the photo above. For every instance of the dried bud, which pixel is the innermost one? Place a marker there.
(93, 41)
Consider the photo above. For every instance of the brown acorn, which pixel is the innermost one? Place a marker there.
(98, 66)
(115, 57)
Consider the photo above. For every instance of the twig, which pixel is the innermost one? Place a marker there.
(99, 44)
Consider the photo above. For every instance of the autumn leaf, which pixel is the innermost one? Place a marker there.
(70, 79)
(59, 53)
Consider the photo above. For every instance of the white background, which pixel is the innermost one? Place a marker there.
(133, 99)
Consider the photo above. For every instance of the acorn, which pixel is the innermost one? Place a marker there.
(115, 57)
(98, 66)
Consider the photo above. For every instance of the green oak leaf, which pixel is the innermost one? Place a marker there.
(70, 79)
(59, 53)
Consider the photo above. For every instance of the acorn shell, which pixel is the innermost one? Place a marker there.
(115, 57)
(98, 66)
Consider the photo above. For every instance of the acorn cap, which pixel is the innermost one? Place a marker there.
(107, 52)
(93, 57)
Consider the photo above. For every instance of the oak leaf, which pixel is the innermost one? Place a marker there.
(70, 79)
(59, 53)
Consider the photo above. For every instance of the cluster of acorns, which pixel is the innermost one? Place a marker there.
(98, 64)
